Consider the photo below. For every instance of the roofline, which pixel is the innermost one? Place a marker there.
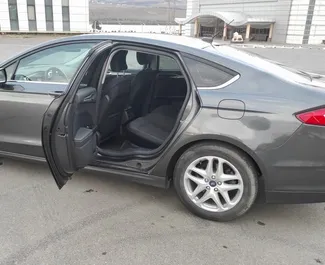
(175, 42)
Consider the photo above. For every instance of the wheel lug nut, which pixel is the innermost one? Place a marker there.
(206, 180)
(215, 189)
(208, 187)
(219, 183)
(213, 176)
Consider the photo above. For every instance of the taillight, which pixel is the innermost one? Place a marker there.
(313, 117)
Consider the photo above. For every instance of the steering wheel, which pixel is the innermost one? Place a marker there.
(52, 72)
(22, 77)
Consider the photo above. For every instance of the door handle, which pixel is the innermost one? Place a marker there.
(90, 98)
(56, 94)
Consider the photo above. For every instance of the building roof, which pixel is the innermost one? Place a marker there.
(233, 18)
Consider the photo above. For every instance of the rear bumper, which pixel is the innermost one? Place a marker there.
(295, 171)
(292, 197)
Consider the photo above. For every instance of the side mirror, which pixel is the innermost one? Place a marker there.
(3, 76)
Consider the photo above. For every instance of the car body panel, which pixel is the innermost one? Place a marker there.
(21, 116)
(303, 171)
(263, 101)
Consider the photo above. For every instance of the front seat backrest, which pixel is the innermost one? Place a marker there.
(115, 95)
(141, 84)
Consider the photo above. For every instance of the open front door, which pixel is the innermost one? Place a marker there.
(69, 131)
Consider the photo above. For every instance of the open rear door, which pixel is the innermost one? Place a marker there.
(70, 123)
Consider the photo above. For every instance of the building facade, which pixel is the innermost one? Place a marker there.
(44, 15)
(280, 21)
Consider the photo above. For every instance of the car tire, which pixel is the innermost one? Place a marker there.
(233, 162)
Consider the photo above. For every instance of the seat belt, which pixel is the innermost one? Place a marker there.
(147, 103)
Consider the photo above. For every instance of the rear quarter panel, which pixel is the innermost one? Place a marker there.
(264, 130)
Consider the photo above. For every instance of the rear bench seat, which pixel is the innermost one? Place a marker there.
(164, 103)
(153, 129)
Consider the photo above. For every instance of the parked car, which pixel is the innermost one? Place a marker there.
(226, 127)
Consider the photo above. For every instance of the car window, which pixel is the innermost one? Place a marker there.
(10, 70)
(132, 62)
(133, 66)
(206, 75)
(56, 64)
(167, 63)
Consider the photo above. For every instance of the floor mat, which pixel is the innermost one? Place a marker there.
(118, 144)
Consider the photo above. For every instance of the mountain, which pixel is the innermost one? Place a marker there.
(151, 12)
(144, 3)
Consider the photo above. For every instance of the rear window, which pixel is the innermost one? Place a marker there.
(208, 75)
(168, 64)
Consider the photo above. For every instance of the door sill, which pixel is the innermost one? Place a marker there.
(23, 157)
(133, 176)
(129, 175)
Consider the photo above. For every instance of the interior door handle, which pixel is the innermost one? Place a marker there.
(90, 98)
(56, 93)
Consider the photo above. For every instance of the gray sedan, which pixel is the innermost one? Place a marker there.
(226, 127)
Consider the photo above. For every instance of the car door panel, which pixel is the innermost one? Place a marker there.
(85, 125)
(69, 131)
(21, 117)
(85, 146)
(33, 86)
(74, 130)
(24, 102)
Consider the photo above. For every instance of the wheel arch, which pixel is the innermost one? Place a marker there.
(222, 140)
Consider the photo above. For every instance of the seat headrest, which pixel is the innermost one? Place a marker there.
(144, 58)
(118, 62)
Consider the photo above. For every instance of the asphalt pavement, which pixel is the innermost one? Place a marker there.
(97, 219)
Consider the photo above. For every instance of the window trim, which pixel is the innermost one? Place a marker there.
(37, 82)
(229, 82)
(220, 67)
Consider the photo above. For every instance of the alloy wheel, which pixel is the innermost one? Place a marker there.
(213, 184)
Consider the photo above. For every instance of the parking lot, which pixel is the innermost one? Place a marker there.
(96, 219)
